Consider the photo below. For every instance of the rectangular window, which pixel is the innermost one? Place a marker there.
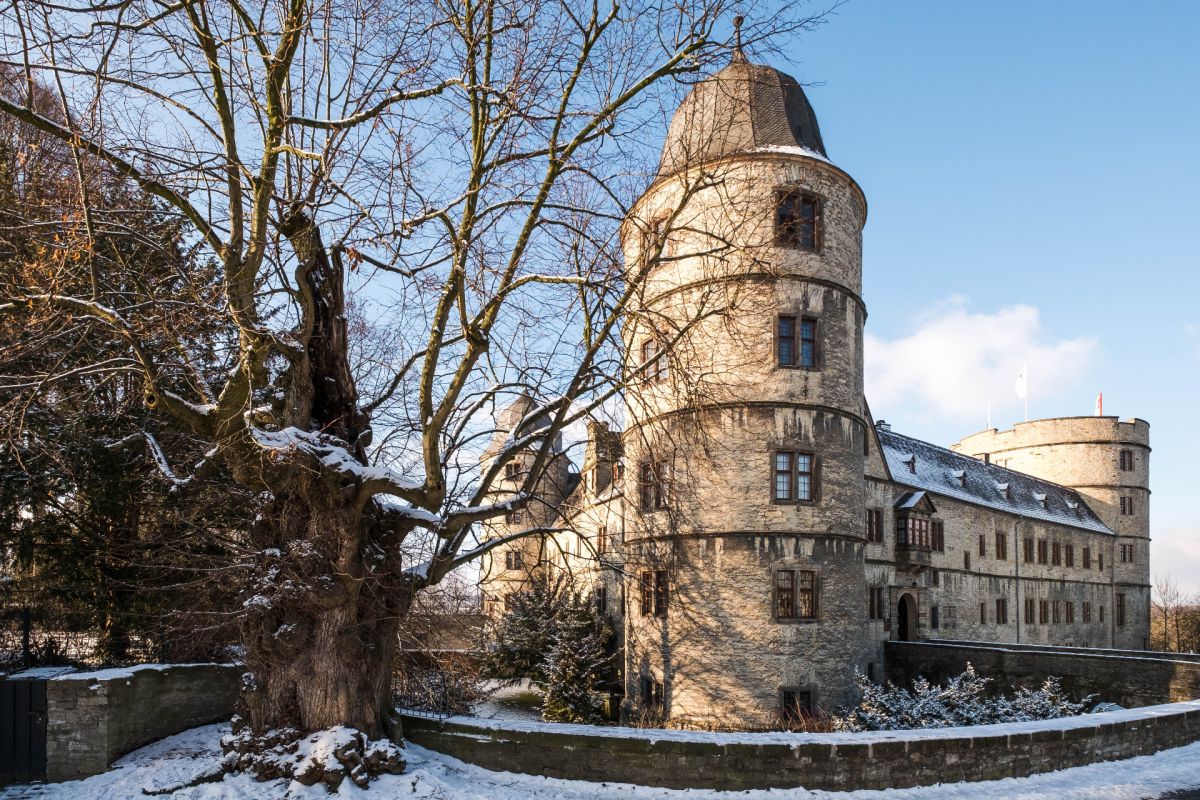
(938, 535)
(875, 605)
(1087, 611)
(1056, 554)
(601, 540)
(647, 593)
(1055, 618)
(794, 475)
(1044, 612)
(1126, 460)
(1029, 611)
(652, 694)
(794, 706)
(934, 577)
(982, 546)
(795, 594)
(1087, 558)
(1070, 555)
(1100, 559)
(806, 594)
(1120, 610)
(785, 594)
(874, 525)
(1127, 506)
(1001, 545)
(1101, 615)
(967, 559)
(808, 342)
(1127, 554)
(983, 613)
(1001, 611)
(1042, 551)
(512, 559)
(512, 471)
(662, 592)
(654, 360)
(784, 476)
(652, 484)
(602, 599)
(785, 342)
(934, 622)
(1029, 550)
(1070, 608)
(514, 516)
(797, 220)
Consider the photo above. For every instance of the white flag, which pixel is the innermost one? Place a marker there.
(1023, 382)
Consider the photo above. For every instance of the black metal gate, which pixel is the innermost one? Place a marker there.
(22, 730)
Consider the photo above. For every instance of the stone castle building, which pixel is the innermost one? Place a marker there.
(753, 533)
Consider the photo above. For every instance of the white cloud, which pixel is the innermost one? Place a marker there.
(956, 360)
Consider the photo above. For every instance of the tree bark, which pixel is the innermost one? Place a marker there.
(320, 632)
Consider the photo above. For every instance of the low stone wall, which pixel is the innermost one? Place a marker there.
(831, 761)
(92, 718)
(1128, 677)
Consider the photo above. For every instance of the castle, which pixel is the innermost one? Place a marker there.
(753, 533)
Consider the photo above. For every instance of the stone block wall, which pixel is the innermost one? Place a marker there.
(836, 762)
(95, 717)
(1124, 677)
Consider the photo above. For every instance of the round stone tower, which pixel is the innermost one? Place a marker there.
(1107, 460)
(745, 434)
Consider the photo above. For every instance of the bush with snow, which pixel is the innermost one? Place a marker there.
(964, 700)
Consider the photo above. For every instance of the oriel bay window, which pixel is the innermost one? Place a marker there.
(796, 342)
(794, 477)
(795, 594)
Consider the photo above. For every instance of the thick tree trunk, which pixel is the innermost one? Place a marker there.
(320, 632)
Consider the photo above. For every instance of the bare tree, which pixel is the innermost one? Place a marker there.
(458, 170)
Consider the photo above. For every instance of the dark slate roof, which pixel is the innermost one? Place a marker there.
(743, 107)
(942, 471)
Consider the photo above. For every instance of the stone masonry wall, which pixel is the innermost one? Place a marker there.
(1113, 676)
(840, 762)
(93, 718)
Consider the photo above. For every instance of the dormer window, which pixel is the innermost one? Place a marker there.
(960, 475)
(798, 220)
(910, 461)
(1043, 499)
(1004, 491)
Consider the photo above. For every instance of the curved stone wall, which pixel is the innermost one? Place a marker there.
(830, 761)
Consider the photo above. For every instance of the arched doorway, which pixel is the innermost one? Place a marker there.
(906, 618)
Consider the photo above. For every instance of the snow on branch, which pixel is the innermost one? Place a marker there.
(333, 454)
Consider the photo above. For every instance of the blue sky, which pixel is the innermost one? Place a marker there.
(1034, 189)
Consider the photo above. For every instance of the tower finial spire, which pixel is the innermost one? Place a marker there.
(738, 54)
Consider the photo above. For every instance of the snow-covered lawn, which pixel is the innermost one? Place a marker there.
(187, 757)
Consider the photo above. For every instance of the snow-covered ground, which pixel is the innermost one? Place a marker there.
(518, 702)
(190, 756)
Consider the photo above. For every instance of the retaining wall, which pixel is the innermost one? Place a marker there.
(1127, 677)
(92, 718)
(831, 761)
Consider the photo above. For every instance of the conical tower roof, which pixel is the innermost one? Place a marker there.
(742, 108)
